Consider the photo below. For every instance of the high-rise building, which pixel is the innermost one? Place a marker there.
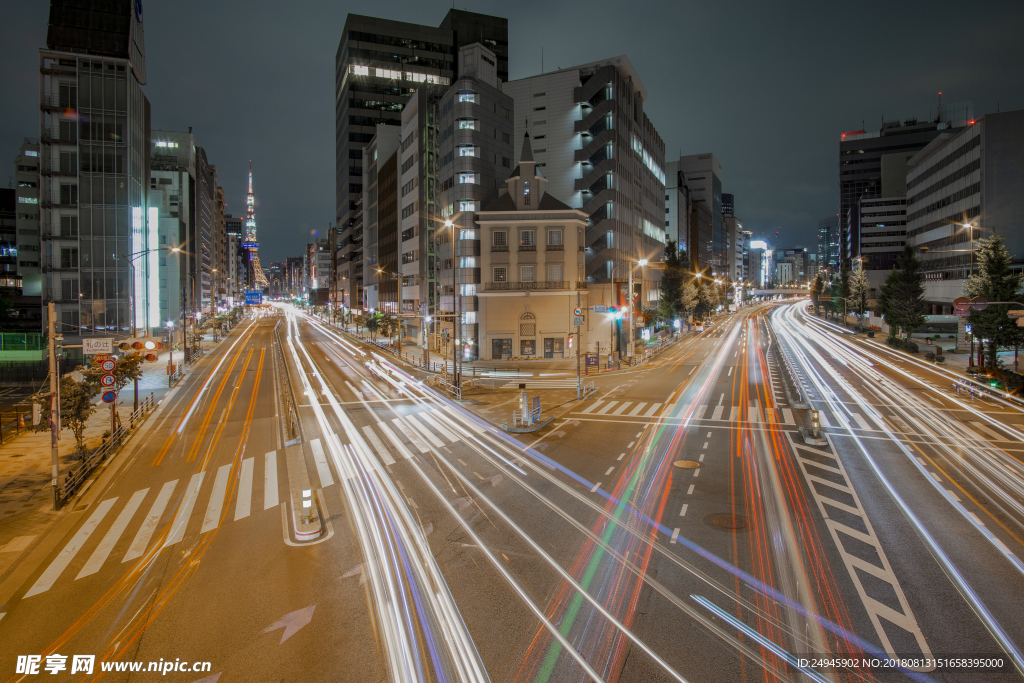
(828, 246)
(600, 153)
(162, 274)
(26, 217)
(380, 220)
(868, 159)
(378, 65)
(475, 157)
(733, 260)
(94, 156)
(703, 175)
(677, 207)
(9, 280)
(235, 257)
(963, 186)
(791, 262)
(701, 240)
(728, 206)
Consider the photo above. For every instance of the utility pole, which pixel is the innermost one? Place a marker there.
(579, 348)
(630, 324)
(54, 401)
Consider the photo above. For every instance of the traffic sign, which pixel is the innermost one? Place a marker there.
(599, 309)
(962, 313)
(1016, 313)
(961, 303)
(577, 311)
(639, 320)
(109, 396)
(107, 380)
(979, 303)
(577, 321)
(92, 346)
(108, 365)
(824, 298)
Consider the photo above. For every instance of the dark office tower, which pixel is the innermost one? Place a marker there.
(728, 209)
(828, 246)
(865, 157)
(93, 163)
(379, 64)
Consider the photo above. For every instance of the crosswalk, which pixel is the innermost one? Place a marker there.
(141, 520)
(541, 383)
(185, 497)
(602, 407)
(680, 410)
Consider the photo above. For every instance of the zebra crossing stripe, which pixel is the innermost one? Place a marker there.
(405, 452)
(787, 417)
(270, 499)
(717, 415)
(145, 532)
(425, 431)
(45, 581)
(636, 411)
(591, 407)
(859, 419)
(244, 504)
(734, 413)
(620, 409)
(323, 470)
(604, 411)
(429, 419)
(220, 486)
(99, 556)
(185, 509)
(411, 435)
(382, 452)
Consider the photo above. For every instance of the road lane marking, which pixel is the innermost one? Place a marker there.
(699, 413)
(953, 495)
(425, 431)
(411, 435)
(180, 522)
(630, 444)
(216, 504)
(995, 436)
(861, 422)
(717, 415)
(675, 535)
(696, 473)
(621, 456)
(382, 452)
(592, 406)
(653, 409)
(604, 411)
(596, 487)
(270, 497)
(618, 411)
(701, 458)
(706, 444)
(244, 504)
(61, 562)
(734, 414)
(636, 411)
(393, 438)
(320, 459)
(610, 470)
(730, 372)
(691, 370)
(99, 556)
(437, 427)
(145, 532)
(689, 491)
(682, 512)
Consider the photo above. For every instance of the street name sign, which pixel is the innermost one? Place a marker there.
(599, 309)
(91, 347)
(1016, 313)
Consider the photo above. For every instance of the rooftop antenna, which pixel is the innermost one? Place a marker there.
(542, 59)
(938, 114)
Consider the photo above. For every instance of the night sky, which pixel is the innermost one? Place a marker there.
(767, 86)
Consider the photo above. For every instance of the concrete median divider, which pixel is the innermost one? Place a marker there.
(307, 524)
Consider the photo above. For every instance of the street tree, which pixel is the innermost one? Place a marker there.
(859, 287)
(901, 299)
(840, 292)
(75, 406)
(688, 299)
(388, 324)
(995, 281)
(372, 324)
(817, 287)
(672, 282)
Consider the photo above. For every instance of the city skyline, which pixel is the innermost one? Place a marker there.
(776, 136)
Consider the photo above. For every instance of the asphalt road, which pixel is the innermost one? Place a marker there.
(673, 527)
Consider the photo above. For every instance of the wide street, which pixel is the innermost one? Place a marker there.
(674, 525)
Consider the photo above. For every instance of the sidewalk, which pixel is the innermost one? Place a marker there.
(26, 497)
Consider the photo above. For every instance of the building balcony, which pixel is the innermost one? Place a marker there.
(527, 247)
(51, 169)
(497, 249)
(523, 286)
(555, 247)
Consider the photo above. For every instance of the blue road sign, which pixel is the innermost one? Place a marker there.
(253, 297)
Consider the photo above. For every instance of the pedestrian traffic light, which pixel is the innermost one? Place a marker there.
(570, 341)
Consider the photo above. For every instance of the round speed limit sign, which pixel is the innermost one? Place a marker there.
(107, 365)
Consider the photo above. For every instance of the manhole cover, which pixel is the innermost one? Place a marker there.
(729, 521)
(687, 464)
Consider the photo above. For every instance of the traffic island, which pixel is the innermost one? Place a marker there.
(305, 511)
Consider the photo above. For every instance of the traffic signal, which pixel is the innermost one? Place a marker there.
(570, 341)
(147, 347)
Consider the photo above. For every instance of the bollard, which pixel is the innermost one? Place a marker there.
(307, 505)
(815, 424)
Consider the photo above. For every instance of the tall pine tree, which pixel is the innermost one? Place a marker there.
(993, 280)
(902, 297)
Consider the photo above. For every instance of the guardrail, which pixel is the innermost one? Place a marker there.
(69, 483)
(782, 358)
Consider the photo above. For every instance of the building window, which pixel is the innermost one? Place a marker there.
(505, 138)
(409, 257)
(527, 238)
(554, 238)
(467, 151)
(409, 210)
(467, 206)
(555, 272)
(499, 238)
(359, 70)
(468, 178)
(468, 124)
(500, 274)
(507, 113)
(28, 200)
(526, 274)
(527, 347)
(468, 96)
(527, 325)
(506, 162)
(408, 187)
(526, 193)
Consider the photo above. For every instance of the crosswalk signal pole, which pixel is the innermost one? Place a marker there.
(579, 348)
(54, 403)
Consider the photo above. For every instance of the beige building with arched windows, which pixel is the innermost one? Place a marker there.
(532, 275)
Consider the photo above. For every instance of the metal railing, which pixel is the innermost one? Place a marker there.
(518, 286)
(69, 483)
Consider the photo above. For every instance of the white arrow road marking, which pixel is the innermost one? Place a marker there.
(292, 622)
